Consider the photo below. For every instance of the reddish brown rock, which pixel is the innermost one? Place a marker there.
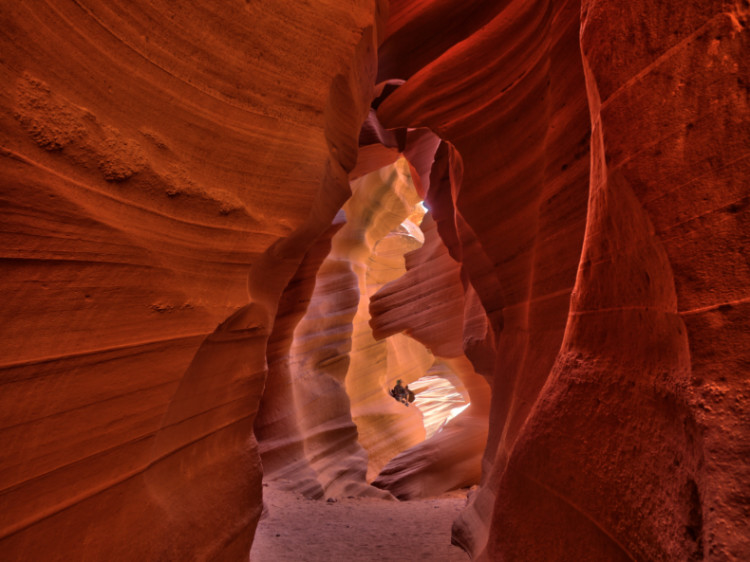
(514, 202)
(615, 426)
(169, 179)
(145, 169)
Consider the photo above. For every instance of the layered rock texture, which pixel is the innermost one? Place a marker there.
(596, 202)
(165, 171)
(187, 267)
(336, 375)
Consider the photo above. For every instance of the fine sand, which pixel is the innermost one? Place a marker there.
(295, 529)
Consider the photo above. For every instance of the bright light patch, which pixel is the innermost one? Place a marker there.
(438, 400)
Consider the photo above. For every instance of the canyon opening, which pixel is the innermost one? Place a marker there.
(230, 228)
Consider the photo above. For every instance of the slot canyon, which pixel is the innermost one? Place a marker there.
(229, 228)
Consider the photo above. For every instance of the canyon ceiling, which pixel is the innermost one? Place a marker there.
(214, 253)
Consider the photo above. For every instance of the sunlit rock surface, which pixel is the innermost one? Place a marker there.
(429, 304)
(440, 396)
(326, 396)
(384, 228)
(452, 456)
(339, 373)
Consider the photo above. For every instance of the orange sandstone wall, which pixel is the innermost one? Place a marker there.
(338, 372)
(163, 172)
(166, 171)
(381, 229)
(510, 198)
(430, 304)
(595, 194)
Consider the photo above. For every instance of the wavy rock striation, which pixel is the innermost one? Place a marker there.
(145, 170)
(172, 266)
(338, 372)
(592, 194)
(429, 304)
(384, 228)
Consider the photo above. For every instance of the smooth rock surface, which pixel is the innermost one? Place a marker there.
(596, 200)
(151, 220)
(170, 181)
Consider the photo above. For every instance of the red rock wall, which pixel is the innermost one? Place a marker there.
(615, 282)
(166, 171)
(670, 147)
(145, 169)
(511, 197)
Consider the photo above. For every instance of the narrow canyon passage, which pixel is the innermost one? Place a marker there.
(296, 529)
(228, 228)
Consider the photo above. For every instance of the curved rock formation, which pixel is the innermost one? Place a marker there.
(428, 303)
(145, 168)
(440, 396)
(336, 366)
(384, 427)
(276, 426)
(600, 446)
(329, 399)
(170, 180)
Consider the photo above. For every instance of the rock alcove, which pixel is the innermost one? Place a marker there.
(357, 337)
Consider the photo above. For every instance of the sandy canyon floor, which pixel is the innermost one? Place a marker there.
(295, 529)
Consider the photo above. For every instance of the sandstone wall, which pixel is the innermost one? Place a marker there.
(340, 375)
(617, 251)
(169, 180)
(431, 304)
(384, 426)
(145, 169)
